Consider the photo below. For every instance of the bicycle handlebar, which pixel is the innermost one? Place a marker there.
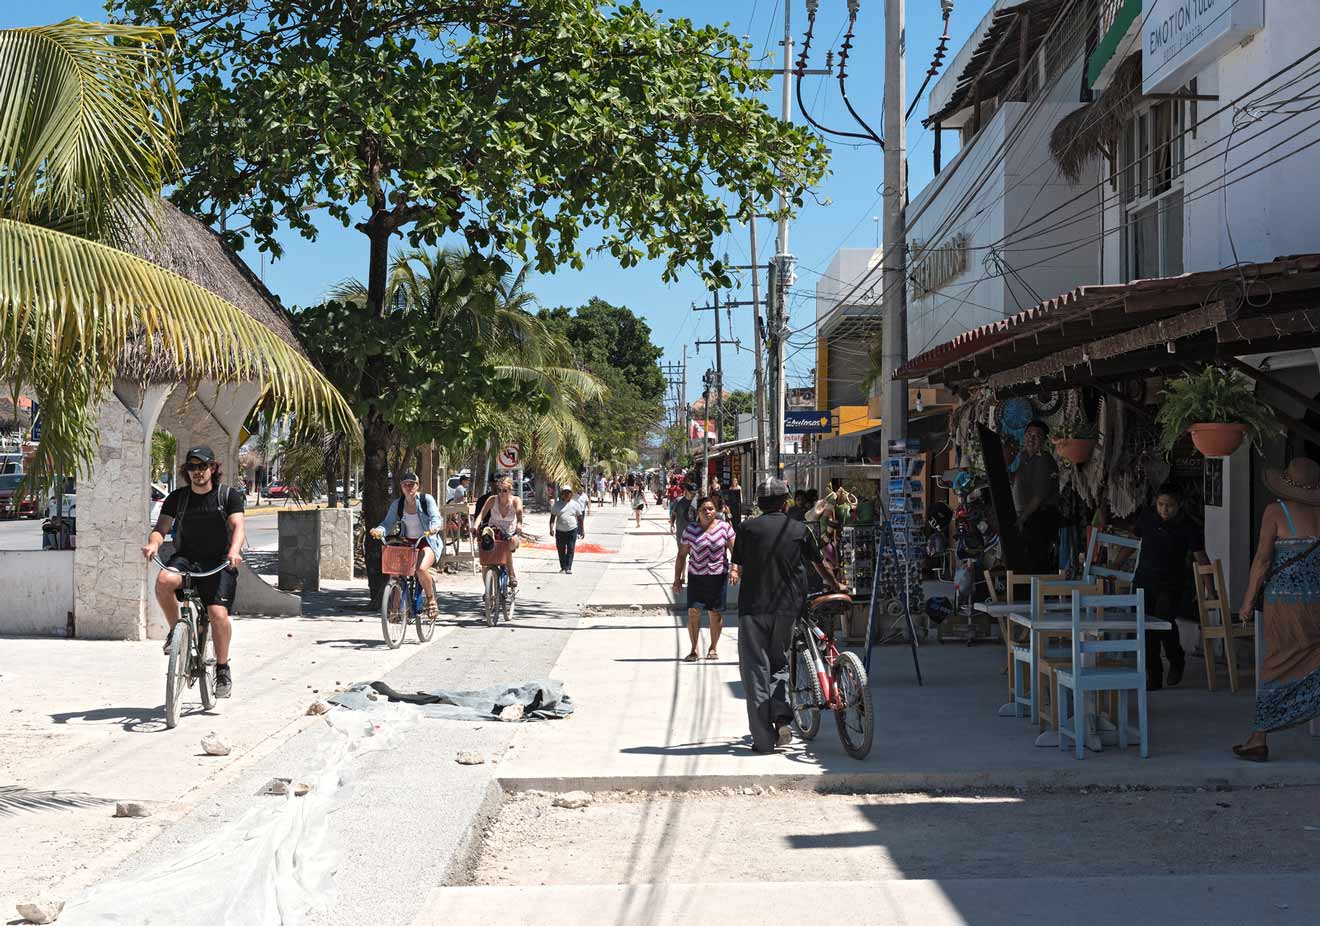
(405, 542)
(193, 575)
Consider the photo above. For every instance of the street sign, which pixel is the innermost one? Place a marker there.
(36, 428)
(509, 456)
(806, 421)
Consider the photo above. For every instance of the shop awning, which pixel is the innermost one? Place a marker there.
(1110, 331)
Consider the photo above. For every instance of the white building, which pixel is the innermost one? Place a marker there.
(1191, 130)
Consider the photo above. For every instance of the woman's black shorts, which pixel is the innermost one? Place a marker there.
(218, 589)
(707, 591)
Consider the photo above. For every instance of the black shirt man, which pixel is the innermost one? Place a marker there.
(770, 560)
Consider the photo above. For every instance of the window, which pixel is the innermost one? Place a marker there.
(1151, 157)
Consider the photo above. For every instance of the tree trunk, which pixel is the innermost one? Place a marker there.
(331, 462)
(376, 437)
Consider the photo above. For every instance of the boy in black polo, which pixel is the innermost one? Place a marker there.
(1169, 540)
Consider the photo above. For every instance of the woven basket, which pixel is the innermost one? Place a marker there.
(398, 560)
(497, 555)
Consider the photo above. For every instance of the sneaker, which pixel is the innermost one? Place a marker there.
(568, 572)
(224, 682)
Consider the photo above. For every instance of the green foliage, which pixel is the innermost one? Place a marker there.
(302, 466)
(1213, 396)
(1075, 427)
(516, 125)
(738, 402)
(164, 451)
(615, 345)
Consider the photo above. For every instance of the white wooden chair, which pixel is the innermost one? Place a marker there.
(1073, 685)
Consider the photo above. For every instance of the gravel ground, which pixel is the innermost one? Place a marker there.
(731, 836)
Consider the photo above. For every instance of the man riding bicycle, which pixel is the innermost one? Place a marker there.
(415, 515)
(503, 512)
(209, 532)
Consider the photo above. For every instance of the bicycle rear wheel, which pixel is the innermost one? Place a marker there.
(425, 624)
(177, 671)
(491, 601)
(855, 717)
(205, 667)
(394, 614)
(804, 694)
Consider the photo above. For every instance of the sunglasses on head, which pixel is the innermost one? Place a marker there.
(196, 466)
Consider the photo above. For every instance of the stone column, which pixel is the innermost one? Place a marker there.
(114, 502)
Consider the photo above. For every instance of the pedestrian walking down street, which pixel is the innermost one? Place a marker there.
(566, 522)
(638, 503)
(770, 561)
(704, 548)
(682, 510)
(733, 502)
(1286, 569)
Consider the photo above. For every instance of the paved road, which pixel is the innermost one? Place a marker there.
(26, 535)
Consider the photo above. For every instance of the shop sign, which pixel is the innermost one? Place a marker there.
(933, 268)
(806, 421)
(1181, 37)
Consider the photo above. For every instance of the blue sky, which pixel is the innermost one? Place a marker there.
(852, 187)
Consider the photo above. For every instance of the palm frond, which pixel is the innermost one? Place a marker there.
(70, 309)
(88, 114)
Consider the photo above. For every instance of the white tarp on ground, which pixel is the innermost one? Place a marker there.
(270, 867)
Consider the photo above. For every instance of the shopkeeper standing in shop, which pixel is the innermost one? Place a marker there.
(1036, 498)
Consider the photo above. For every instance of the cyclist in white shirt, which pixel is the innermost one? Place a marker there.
(504, 512)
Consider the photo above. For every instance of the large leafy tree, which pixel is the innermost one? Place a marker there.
(515, 124)
(615, 344)
(88, 116)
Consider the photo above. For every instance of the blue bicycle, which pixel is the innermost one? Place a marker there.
(404, 599)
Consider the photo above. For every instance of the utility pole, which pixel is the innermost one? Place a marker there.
(762, 460)
(781, 274)
(705, 433)
(894, 298)
(683, 404)
(719, 374)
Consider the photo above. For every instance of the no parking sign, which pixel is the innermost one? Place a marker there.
(509, 457)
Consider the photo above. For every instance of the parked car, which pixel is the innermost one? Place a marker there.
(66, 505)
(13, 505)
(277, 490)
(158, 494)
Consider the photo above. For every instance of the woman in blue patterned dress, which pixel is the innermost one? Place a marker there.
(1287, 564)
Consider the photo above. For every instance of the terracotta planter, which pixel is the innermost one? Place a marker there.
(1217, 439)
(1075, 450)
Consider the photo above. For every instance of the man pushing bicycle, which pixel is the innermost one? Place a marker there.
(209, 532)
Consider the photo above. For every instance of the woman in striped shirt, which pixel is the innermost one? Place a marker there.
(704, 548)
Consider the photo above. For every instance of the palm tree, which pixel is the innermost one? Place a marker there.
(88, 116)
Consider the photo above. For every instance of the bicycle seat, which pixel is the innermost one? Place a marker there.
(829, 601)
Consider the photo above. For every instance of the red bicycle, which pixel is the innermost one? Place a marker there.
(820, 677)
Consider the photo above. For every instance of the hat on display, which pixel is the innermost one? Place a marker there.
(200, 452)
(1299, 482)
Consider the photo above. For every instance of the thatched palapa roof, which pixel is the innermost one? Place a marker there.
(185, 246)
(1096, 128)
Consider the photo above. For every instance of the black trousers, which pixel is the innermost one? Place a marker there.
(1040, 538)
(1163, 604)
(566, 544)
(763, 665)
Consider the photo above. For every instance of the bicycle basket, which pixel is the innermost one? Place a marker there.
(398, 560)
(497, 555)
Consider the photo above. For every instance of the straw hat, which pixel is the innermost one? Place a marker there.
(1300, 482)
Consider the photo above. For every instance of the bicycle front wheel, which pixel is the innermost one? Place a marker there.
(854, 716)
(804, 694)
(177, 671)
(205, 668)
(394, 614)
(425, 623)
(491, 601)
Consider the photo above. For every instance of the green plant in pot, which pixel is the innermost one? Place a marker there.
(1219, 408)
(1074, 440)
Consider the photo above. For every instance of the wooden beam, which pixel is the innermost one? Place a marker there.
(1263, 327)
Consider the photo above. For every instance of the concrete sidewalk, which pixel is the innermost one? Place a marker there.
(648, 720)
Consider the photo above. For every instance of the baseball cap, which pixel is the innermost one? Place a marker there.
(200, 452)
(566, 488)
(772, 488)
(408, 476)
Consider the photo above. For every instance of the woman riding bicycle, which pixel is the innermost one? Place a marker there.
(505, 510)
(416, 515)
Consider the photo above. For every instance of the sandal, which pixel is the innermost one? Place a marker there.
(1252, 753)
(432, 609)
(691, 657)
(712, 655)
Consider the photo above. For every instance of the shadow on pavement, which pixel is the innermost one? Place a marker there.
(132, 719)
(15, 799)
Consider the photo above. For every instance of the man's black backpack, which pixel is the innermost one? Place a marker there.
(222, 500)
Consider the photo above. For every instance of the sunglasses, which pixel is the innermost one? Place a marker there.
(196, 467)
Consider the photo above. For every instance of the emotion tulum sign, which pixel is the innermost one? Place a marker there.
(1181, 37)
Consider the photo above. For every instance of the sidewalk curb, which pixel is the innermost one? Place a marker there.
(879, 782)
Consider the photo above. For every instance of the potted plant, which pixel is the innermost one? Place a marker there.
(1219, 408)
(1075, 439)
